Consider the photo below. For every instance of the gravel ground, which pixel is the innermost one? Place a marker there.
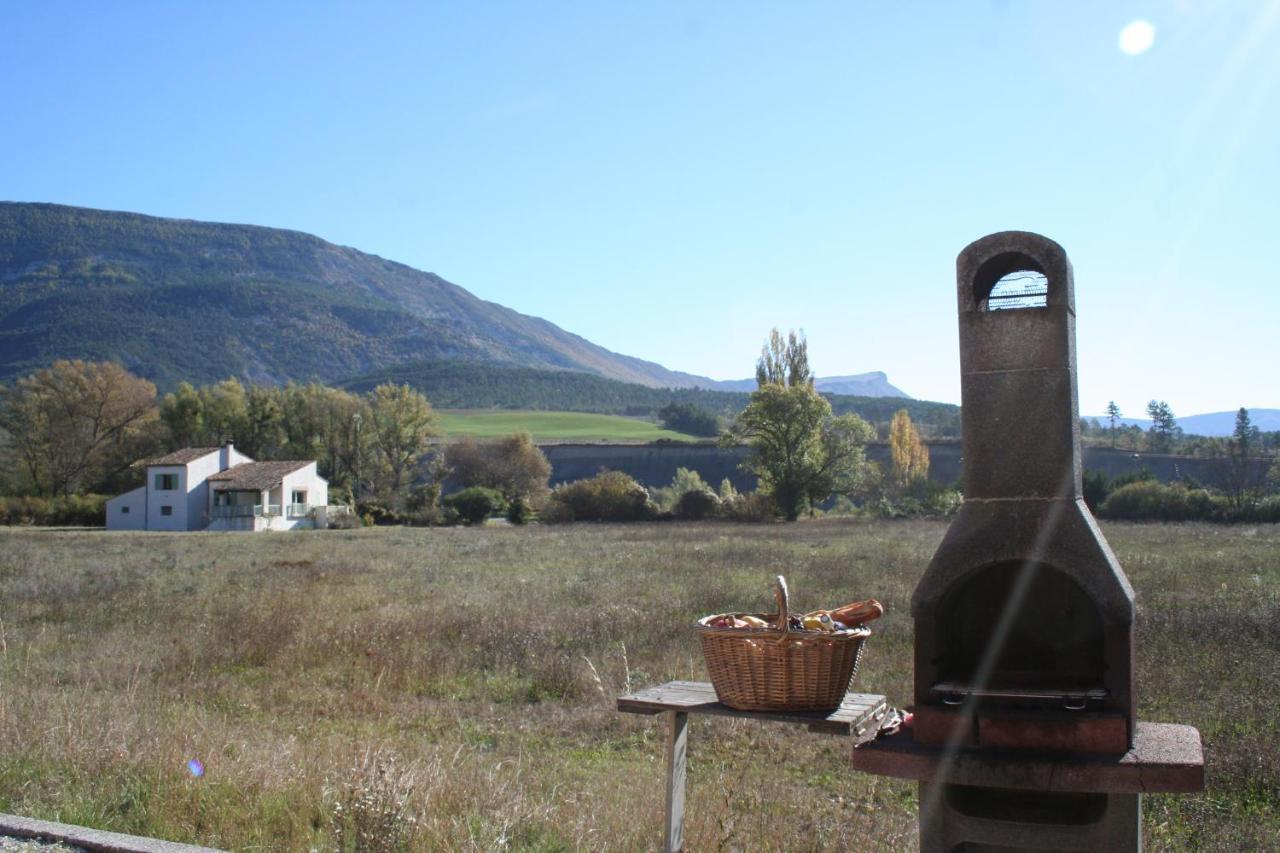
(26, 845)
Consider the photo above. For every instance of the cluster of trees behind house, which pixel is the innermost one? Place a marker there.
(77, 429)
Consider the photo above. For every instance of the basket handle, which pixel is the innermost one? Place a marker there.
(784, 603)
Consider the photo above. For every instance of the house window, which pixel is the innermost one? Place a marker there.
(166, 510)
(124, 510)
(299, 496)
(166, 482)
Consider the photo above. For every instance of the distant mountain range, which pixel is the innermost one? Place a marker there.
(175, 299)
(1212, 423)
(875, 384)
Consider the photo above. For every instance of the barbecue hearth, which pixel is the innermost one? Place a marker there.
(1025, 734)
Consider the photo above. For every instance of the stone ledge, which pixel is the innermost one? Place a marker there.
(1166, 758)
(90, 839)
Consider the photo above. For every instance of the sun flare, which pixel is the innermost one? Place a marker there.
(1137, 37)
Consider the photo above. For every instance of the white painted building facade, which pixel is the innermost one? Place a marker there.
(219, 488)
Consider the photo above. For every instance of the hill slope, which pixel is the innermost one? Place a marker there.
(177, 299)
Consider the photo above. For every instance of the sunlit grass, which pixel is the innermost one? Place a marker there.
(555, 426)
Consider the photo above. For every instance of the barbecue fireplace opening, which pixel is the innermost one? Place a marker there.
(1020, 629)
(1011, 280)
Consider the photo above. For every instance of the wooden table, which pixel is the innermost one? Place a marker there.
(858, 716)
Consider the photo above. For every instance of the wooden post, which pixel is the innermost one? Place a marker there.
(677, 741)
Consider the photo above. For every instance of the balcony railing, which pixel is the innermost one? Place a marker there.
(247, 510)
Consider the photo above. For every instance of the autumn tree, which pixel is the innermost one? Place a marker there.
(74, 423)
(513, 466)
(402, 425)
(908, 453)
(798, 450)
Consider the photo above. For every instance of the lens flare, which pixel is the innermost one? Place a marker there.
(196, 768)
(1137, 37)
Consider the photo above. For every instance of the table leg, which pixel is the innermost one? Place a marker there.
(677, 739)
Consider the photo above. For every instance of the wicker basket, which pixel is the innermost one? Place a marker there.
(779, 669)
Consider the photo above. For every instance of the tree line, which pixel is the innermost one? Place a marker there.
(80, 426)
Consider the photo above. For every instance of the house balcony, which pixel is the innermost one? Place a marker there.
(251, 510)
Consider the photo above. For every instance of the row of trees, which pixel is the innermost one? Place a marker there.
(79, 426)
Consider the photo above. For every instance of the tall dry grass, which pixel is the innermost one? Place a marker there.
(453, 689)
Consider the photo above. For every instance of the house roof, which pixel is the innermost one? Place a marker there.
(256, 475)
(183, 456)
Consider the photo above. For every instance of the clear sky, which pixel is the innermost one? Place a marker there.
(670, 180)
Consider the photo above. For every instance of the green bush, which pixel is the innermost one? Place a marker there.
(1096, 489)
(942, 502)
(73, 511)
(1148, 500)
(697, 504)
(685, 480)
(476, 504)
(608, 496)
(518, 510)
(753, 507)
(1266, 510)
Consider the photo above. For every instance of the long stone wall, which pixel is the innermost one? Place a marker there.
(656, 464)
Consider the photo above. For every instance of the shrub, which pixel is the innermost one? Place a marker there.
(1096, 489)
(73, 511)
(379, 514)
(697, 504)
(684, 481)
(476, 504)
(518, 510)
(555, 512)
(344, 521)
(1265, 510)
(942, 502)
(1148, 500)
(748, 506)
(608, 496)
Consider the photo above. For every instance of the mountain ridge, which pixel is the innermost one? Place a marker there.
(182, 299)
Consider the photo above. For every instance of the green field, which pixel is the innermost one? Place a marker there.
(555, 426)
(454, 688)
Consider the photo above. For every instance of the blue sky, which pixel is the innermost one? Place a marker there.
(670, 180)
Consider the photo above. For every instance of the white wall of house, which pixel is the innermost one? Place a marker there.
(167, 508)
(314, 489)
(128, 511)
(307, 484)
(199, 498)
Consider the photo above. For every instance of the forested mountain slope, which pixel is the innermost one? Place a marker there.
(176, 300)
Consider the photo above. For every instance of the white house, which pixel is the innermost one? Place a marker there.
(219, 488)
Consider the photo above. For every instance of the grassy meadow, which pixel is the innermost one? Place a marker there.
(453, 689)
(555, 426)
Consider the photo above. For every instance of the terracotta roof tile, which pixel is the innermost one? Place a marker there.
(183, 456)
(256, 475)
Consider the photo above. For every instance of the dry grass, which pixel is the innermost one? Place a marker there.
(337, 684)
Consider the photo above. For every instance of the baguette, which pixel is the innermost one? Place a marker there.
(858, 613)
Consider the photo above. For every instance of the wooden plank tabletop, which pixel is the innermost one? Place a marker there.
(859, 714)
